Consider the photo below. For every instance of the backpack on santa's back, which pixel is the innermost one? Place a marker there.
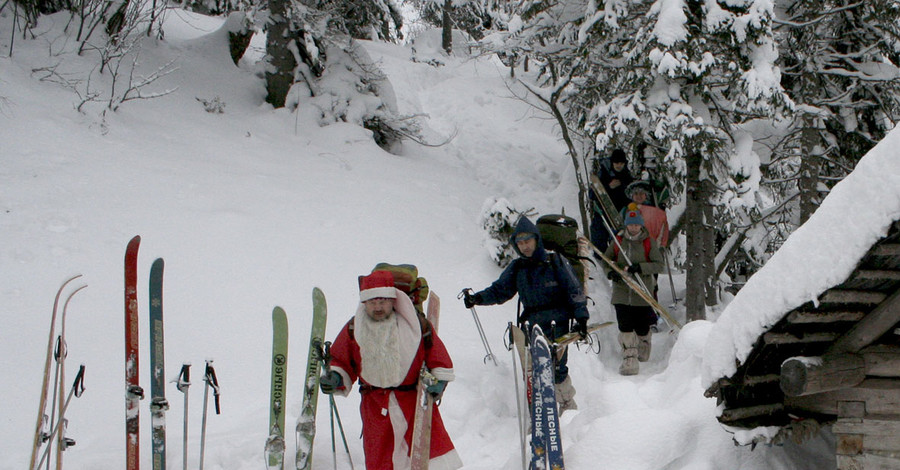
(559, 233)
(407, 279)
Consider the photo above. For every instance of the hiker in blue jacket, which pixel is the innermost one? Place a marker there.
(550, 293)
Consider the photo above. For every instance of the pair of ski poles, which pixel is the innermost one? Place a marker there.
(325, 358)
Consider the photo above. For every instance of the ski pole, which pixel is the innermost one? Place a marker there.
(484, 341)
(669, 269)
(76, 390)
(325, 357)
(182, 383)
(519, 415)
(211, 383)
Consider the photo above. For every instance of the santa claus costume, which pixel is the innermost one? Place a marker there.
(386, 357)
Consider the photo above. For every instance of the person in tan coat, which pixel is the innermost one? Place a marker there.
(637, 253)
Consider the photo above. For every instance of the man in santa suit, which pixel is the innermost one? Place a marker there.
(384, 346)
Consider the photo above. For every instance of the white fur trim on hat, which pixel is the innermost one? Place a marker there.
(387, 292)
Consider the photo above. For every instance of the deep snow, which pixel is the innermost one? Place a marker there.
(251, 209)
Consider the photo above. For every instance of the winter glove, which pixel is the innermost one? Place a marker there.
(580, 327)
(437, 389)
(613, 276)
(472, 300)
(330, 382)
(634, 269)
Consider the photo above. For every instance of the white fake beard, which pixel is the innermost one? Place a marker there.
(379, 347)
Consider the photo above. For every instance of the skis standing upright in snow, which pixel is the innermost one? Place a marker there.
(133, 391)
(306, 423)
(420, 453)
(278, 390)
(158, 403)
(546, 442)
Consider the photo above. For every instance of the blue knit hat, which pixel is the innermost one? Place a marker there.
(633, 215)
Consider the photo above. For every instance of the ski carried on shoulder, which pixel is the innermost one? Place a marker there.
(133, 391)
(278, 390)
(420, 452)
(306, 423)
(608, 208)
(638, 288)
(158, 403)
(546, 441)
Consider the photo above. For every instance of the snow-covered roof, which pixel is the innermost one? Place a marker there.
(817, 256)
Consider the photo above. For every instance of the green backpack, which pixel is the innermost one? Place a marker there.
(560, 233)
(406, 278)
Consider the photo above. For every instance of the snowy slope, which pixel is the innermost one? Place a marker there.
(251, 209)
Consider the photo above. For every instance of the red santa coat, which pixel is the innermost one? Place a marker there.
(387, 413)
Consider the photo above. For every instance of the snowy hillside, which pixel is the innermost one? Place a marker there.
(253, 207)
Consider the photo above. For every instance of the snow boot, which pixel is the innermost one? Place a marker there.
(630, 364)
(644, 347)
(565, 395)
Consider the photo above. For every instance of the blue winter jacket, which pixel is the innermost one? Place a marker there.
(545, 282)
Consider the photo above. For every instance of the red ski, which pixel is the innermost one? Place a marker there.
(133, 391)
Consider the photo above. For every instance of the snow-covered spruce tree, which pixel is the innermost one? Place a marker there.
(681, 76)
(839, 64)
(498, 220)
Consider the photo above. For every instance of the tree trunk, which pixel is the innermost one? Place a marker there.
(447, 27)
(281, 60)
(696, 238)
(810, 164)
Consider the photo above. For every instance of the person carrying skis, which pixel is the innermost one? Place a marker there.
(633, 314)
(550, 293)
(384, 346)
(613, 174)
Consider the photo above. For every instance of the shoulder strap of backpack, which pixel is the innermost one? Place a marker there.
(647, 248)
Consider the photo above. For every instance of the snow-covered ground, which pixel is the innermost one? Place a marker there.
(253, 207)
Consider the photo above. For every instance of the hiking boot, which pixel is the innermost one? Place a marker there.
(644, 346)
(630, 364)
(565, 395)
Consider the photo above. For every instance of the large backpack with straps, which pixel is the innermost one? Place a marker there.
(407, 279)
(559, 233)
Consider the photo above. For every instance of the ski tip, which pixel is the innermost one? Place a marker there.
(157, 264)
(135, 240)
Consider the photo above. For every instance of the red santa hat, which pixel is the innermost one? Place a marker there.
(379, 284)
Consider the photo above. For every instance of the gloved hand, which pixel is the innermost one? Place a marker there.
(472, 300)
(613, 276)
(634, 268)
(437, 389)
(330, 382)
(580, 327)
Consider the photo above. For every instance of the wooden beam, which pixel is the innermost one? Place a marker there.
(735, 414)
(787, 338)
(875, 275)
(882, 396)
(825, 317)
(849, 296)
(882, 360)
(808, 375)
(887, 249)
(878, 322)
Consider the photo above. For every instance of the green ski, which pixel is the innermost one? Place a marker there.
(158, 403)
(306, 423)
(278, 390)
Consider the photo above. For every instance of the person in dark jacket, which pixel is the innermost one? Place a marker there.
(550, 294)
(613, 174)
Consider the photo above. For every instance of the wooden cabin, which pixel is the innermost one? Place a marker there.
(830, 362)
